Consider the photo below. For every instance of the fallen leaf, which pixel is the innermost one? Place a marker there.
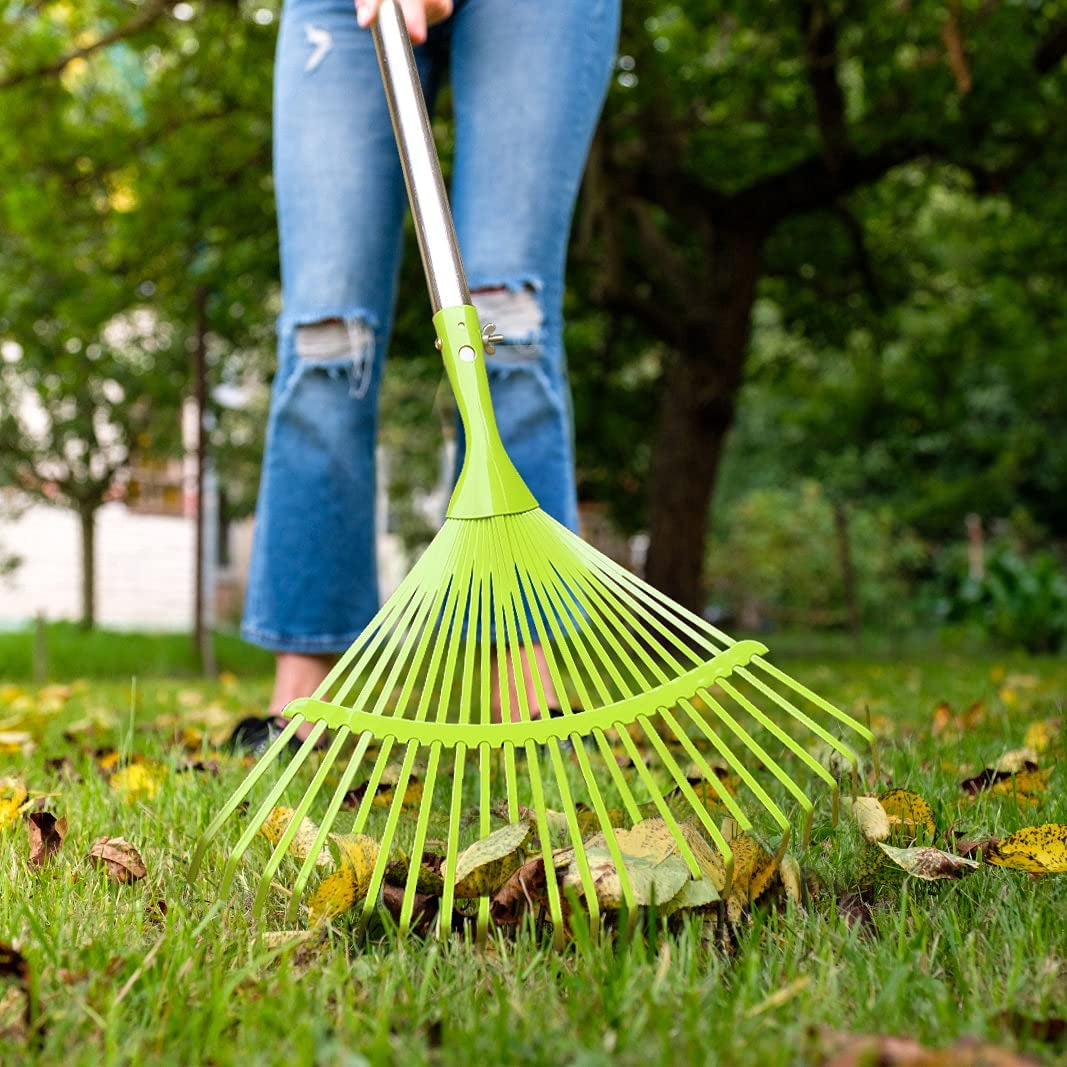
(277, 822)
(16, 743)
(910, 816)
(867, 1050)
(653, 876)
(12, 799)
(428, 880)
(1018, 759)
(339, 891)
(121, 860)
(695, 895)
(1040, 735)
(871, 818)
(971, 848)
(855, 911)
(482, 868)
(1039, 849)
(423, 911)
(46, 834)
(792, 879)
(1025, 786)
(1050, 1030)
(525, 889)
(755, 868)
(929, 864)
(138, 781)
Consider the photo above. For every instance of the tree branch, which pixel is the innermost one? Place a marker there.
(141, 21)
(1050, 52)
(822, 59)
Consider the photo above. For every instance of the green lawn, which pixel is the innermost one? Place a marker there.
(116, 980)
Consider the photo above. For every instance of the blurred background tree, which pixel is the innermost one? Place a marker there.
(817, 282)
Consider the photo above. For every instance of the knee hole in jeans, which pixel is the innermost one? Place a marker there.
(338, 346)
(518, 317)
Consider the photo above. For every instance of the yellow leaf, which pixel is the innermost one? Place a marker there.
(412, 795)
(929, 864)
(138, 781)
(335, 894)
(359, 852)
(1026, 788)
(16, 743)
(12, 798)
(349, 883)
(871, 818)
(277, 822)
(909, 815)
(754, 868)
(1039, 735)
(1040, 849)
(792, 879)
(486, 865)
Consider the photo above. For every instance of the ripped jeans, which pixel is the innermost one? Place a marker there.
(528, 79)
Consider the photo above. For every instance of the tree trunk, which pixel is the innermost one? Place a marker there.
(87, 518)
(696, 411)
(848, 570)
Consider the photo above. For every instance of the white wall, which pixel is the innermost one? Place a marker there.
(144, 568)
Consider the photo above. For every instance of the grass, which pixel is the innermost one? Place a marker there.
(70, 652)
(115, 981)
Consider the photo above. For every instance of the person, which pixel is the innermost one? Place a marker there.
(528, 81)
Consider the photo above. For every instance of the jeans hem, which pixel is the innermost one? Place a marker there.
(310, 643)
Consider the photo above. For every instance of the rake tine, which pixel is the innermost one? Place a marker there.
(668, 817)
(555, 908)
(231, 805)
(384, 617)
(616, 607)
(363, 811)
(818, 701)
(688, 792)
(583, 760)
(821, 732)
(710, 776)
(264, 809)
(734, 764)
(343, 786)
(520, 621)
(444, 915)
(750, 743)
(407, 906)
(386, 843)
(294, 823)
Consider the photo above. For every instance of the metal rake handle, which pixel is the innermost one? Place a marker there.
(441, 260)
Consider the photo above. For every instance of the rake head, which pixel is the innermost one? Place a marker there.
(703, 726)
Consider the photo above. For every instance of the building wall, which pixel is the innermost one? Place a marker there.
(144, 568)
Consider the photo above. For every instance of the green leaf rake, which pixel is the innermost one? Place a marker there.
(654, 711)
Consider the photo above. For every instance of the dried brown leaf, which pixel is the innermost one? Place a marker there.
(46, 834)
(120, 859)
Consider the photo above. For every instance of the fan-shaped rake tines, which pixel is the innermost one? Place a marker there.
(704, 727)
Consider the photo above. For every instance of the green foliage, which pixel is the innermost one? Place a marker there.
(776, 559)
(1020, 600)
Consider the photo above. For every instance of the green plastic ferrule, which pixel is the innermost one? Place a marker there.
(488, 482)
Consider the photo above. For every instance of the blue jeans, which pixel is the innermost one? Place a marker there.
(528, 80)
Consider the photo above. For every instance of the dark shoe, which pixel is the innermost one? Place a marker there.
(252, 736)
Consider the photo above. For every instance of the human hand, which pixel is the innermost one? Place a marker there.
(418, 14)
